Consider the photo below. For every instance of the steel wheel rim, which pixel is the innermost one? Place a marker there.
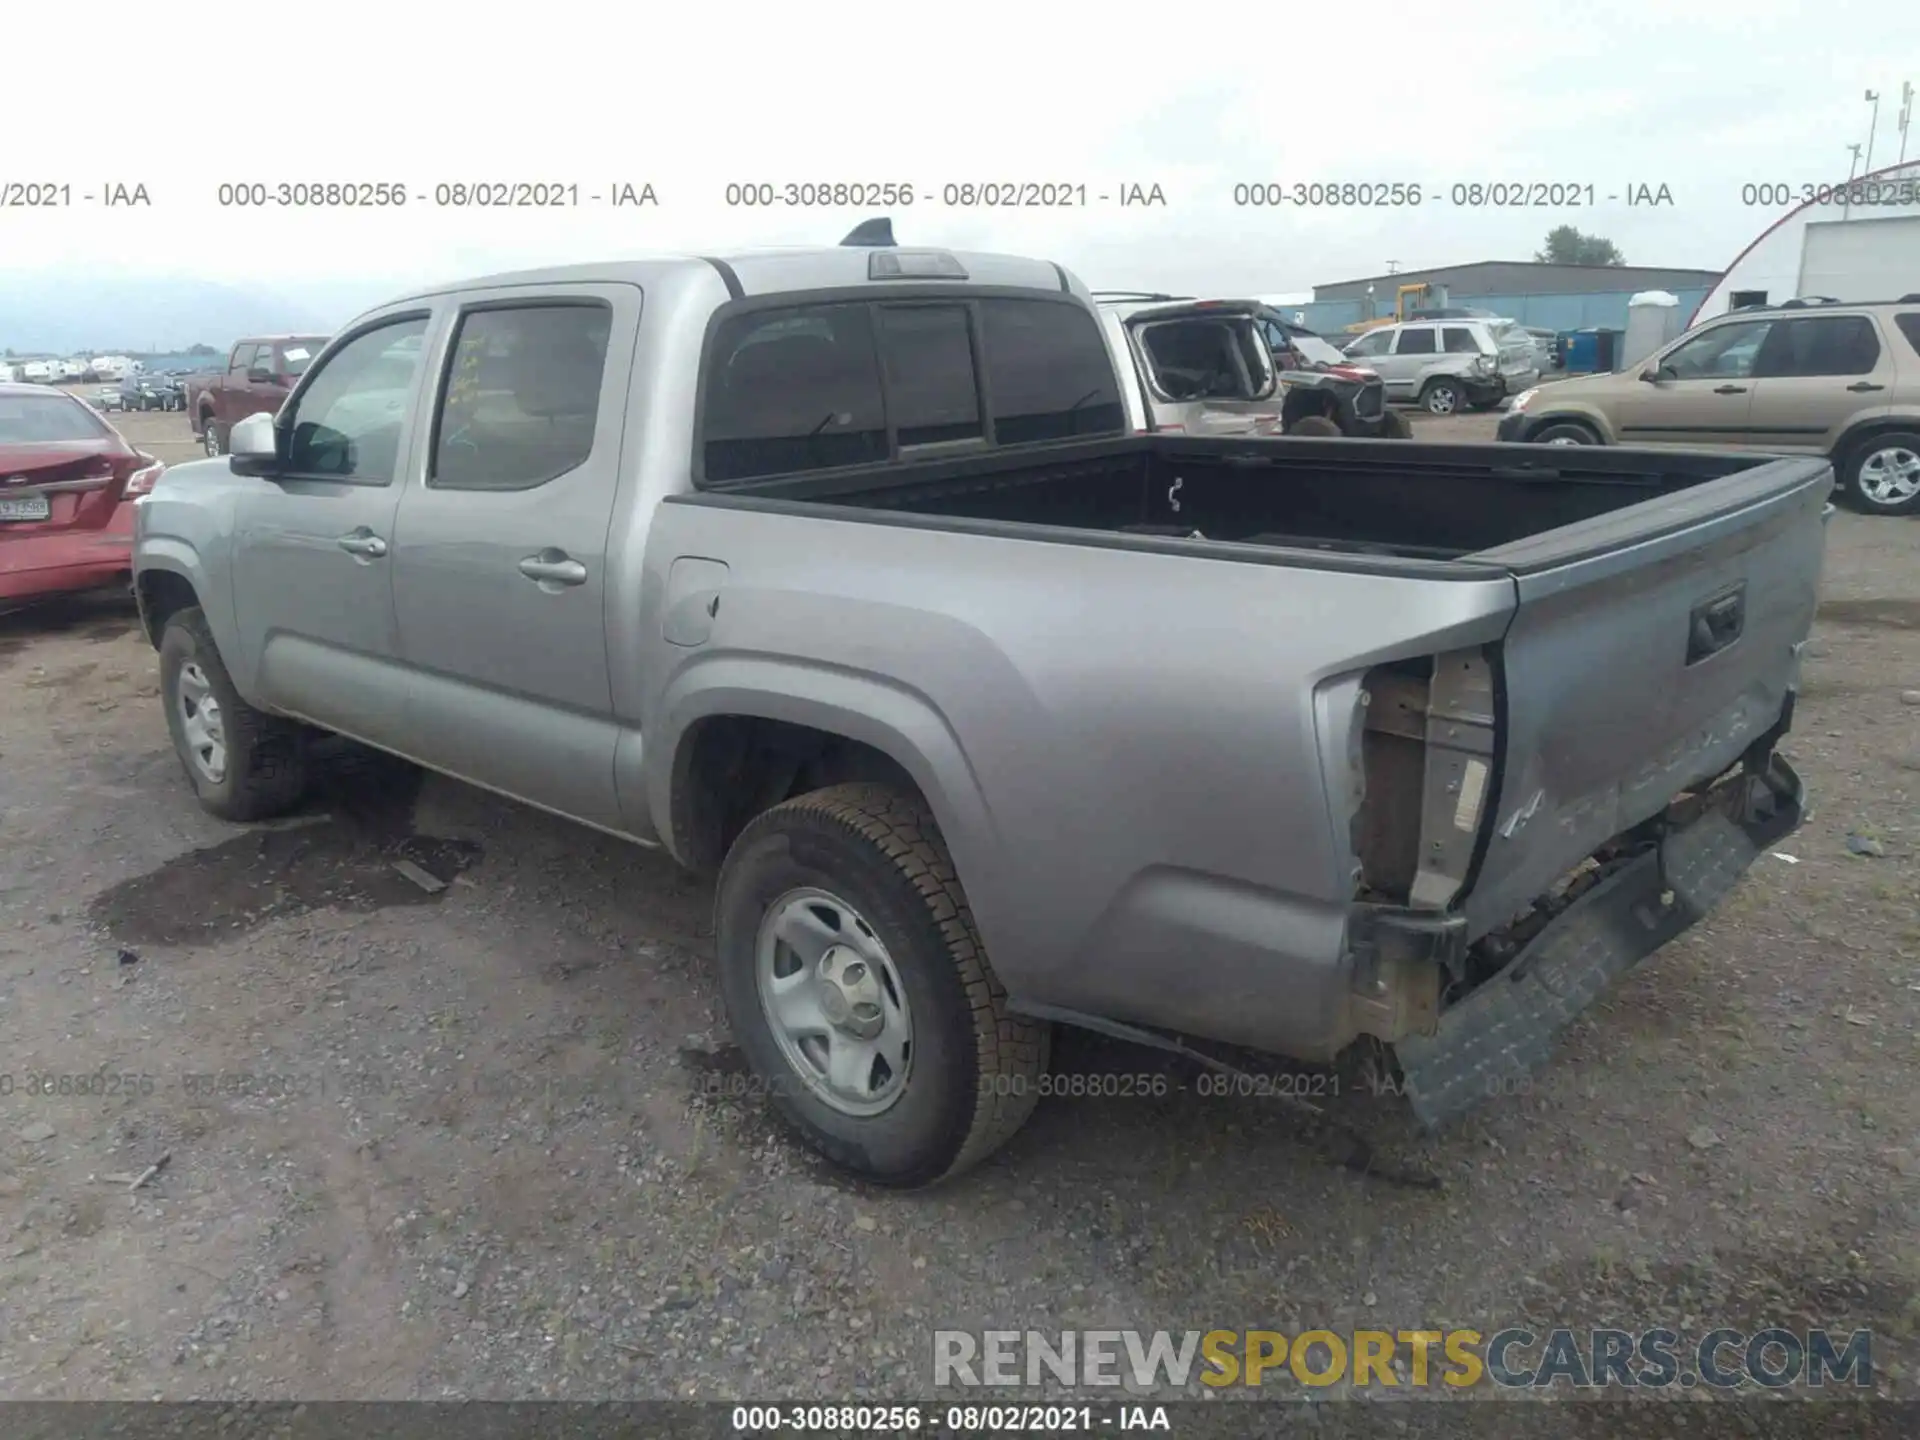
(1563, 440)
(1890, 476)
(1441, 400)
(201, 723)
(834, 1002)
(211, 442)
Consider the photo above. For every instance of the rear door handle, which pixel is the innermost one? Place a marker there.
(363, 544)
(552, 569)
(1730, 390)
(1860, 385)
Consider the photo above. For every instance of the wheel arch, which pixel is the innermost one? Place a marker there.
(1860, 432)
(166, 583)
(743, 734)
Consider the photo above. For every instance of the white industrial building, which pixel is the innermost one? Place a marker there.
(1868, 251)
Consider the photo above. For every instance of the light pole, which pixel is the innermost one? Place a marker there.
(1872, 125)
(1906, 115)
(1853, 168)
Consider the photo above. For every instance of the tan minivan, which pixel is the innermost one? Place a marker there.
(1817, 378)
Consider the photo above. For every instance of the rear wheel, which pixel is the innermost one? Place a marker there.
(1564, 432)
(1882, 475)
(857, 986)
(1442, 397)
(243, 764)
(211, 439)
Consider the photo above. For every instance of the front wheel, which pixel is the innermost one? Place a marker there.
(1395, 426)
(1564, 432)
(243, 764)
(858, 988)
(1441, 397)
(1882, 475)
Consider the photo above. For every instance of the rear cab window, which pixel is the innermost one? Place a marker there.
(791, 389)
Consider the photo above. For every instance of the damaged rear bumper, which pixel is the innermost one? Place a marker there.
(1509, 1026)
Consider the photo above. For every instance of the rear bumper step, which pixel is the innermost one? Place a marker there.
(1509, 1027)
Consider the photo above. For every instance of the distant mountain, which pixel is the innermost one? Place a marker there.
(64, 313)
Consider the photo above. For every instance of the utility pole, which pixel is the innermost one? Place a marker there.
(1906, 115)
(1872, 125)
(1393, 267)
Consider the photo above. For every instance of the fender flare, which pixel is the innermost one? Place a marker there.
(901, 723)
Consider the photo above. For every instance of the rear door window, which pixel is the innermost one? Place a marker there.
(793, 390)
(1416, 342)
(1909, 323)
(1049, 374)
(933, 395)
(1459, 340)
(521, 398)
(1823, 345)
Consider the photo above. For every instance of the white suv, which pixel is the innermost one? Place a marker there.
(1447, 365)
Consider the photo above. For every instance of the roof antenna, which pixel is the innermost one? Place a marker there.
(874, 234)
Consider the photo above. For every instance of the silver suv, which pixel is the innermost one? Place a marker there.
(1447, 365)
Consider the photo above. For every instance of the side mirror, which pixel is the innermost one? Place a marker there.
(254, 447)
(1651, 375)
(260, 375)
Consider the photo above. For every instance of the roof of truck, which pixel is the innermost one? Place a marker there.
(777, 271)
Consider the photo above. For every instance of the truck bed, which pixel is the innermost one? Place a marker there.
(1391, 500)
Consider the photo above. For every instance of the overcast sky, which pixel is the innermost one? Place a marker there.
(1699, 97)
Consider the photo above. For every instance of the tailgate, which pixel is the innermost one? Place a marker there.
(1650, 647)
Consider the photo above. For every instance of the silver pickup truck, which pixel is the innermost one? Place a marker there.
(836, 573)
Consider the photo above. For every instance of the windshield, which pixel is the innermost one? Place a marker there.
(45, 419)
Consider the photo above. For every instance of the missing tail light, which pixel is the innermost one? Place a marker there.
(142, 481)
(1427, 765)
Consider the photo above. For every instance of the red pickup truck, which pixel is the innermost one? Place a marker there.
(261, 371)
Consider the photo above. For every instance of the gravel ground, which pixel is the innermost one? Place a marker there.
(489, 1147)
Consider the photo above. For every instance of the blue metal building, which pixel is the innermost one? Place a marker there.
(1551, 297)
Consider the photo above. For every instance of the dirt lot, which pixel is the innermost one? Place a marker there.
(480, 1153)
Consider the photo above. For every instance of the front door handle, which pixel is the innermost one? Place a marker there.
(553, 568)
(1730, 390)
(1859, 386)
(363, 544)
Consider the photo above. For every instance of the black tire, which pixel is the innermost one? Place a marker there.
(213, 439)
(1563, 432)
(1394, 426)
(1855, 477)
(1442, 397)
(1310, 426)
(974, 1066)
(265, 773)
